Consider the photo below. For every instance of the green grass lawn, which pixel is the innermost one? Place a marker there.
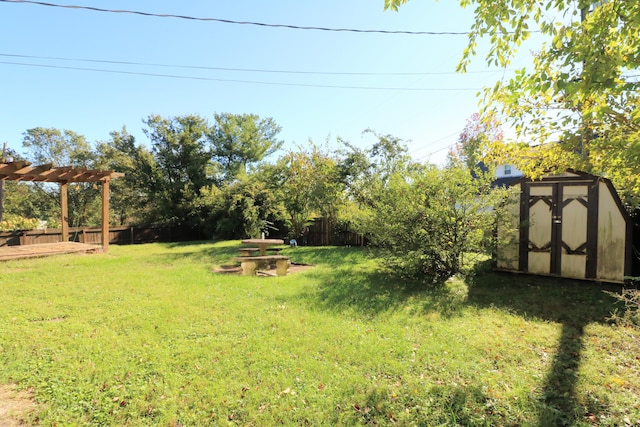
(149, 335)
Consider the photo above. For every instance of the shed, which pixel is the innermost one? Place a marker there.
(572, 225)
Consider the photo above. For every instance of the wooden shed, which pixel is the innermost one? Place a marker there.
(569, 225)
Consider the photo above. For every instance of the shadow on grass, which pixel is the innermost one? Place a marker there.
(330, 256)
(574, 305)
(214, 253)
(223, 252)
(365, 293)
(346, 280)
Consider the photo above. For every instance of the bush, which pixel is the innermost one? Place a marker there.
(630, 314)
(16, 222)
(426, 219)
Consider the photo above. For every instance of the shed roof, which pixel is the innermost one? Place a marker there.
(23, 171)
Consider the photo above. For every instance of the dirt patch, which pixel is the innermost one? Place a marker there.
(15, 406)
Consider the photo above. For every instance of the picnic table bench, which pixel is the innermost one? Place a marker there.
(250, 264)
(252, 251)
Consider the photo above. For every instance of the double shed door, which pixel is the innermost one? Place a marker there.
(560, 237)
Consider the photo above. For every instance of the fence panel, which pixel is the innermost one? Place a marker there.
(320, 233)
(117, 235)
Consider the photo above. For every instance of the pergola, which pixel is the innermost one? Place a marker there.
(23, 171)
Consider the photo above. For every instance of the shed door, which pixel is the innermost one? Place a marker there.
(557, 241)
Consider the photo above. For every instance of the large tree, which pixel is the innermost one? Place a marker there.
(181, 166)
(239, 140)
(132, 200)
(62, 148)
(579, 102)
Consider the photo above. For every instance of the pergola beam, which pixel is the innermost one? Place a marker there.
(22, 171)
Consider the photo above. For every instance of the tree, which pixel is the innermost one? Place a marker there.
(580, 103)
(131, 195)
(181, 166)
(240, 140)
(241, 208)
(307, 184)
(63, 148)
(363, 170)
(477, 134)
(425, 219)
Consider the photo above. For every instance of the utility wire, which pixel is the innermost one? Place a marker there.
(229, 21)
(340, 73)
(440, 149)
(240, 81)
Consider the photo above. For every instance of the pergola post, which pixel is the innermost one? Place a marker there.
(64, 208)
(105, 215)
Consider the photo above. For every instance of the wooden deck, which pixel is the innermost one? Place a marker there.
(46, 249)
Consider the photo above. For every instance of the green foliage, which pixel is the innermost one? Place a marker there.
(242, 208)
(425, 218)
(430, 218)
(32, 201)
(393, 4)
(15, 222)
(580, 92)
(239, 140)
(131, 196)
(307, 184)
(479, 133)
(61, 148)
(629, 315)
(178, 171)
(579, 103)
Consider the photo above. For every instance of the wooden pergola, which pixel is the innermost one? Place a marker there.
(23, 171)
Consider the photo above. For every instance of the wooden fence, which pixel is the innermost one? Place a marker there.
(323, 233)
(320, 233)
(117, 235)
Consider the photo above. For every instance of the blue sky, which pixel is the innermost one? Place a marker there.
(429, 116)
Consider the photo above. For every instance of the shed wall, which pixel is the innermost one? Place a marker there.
(611, 237)
(508, 233)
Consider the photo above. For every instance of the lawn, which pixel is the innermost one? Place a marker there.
(149, 335)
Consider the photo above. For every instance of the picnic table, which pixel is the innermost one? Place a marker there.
(263, 244)
(250, 263)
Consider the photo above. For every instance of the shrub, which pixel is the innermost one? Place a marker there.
(427, 218)
(630, 314)
(16, 222)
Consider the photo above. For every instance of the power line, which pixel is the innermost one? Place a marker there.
(440, 149)
(229, 21)
(238, 81)
(200, 67)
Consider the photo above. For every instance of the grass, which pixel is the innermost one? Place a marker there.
(148, 335)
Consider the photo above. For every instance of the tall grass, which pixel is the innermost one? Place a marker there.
(150, 335)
